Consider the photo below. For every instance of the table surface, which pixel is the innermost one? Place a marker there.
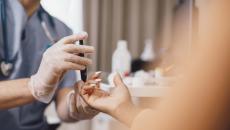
(144, 91)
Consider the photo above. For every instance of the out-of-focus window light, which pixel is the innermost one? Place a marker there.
(68, 11)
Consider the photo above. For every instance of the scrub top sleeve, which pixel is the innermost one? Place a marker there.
(69, 80)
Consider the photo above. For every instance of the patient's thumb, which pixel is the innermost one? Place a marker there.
(118, 82)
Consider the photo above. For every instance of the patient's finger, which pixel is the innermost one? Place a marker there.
(89, 89)
(100, 93)
(95, 75)
(96, 82)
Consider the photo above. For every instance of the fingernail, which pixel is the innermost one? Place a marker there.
(98, 72)
(98, 80)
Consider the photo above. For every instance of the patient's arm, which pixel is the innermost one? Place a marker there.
(14, 93)
(201, 101)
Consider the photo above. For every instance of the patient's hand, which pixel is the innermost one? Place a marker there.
(104, 101)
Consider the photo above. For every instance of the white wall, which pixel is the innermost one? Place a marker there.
(69, 11)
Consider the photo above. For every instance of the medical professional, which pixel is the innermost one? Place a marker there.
(34, 71)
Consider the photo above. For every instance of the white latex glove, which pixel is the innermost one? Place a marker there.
(56, 60)
(77, 107)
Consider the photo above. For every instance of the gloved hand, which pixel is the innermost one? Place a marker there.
(56, 60)
(77, 107)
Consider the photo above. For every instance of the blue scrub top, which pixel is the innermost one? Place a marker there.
(28, 48)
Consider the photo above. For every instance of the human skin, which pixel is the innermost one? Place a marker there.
(199, 101)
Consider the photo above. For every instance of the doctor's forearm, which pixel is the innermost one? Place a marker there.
(14, 93)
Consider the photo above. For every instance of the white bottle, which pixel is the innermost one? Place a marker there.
(148, 53)
(121, 60)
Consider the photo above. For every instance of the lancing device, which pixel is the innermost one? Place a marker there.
(83, 72)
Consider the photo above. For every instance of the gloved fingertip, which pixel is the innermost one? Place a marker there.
(80, 83)
(78, 86)
(82, 35)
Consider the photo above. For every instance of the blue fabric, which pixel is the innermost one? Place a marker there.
(29, 52)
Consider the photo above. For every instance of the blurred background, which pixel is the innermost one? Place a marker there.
(152, 30)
